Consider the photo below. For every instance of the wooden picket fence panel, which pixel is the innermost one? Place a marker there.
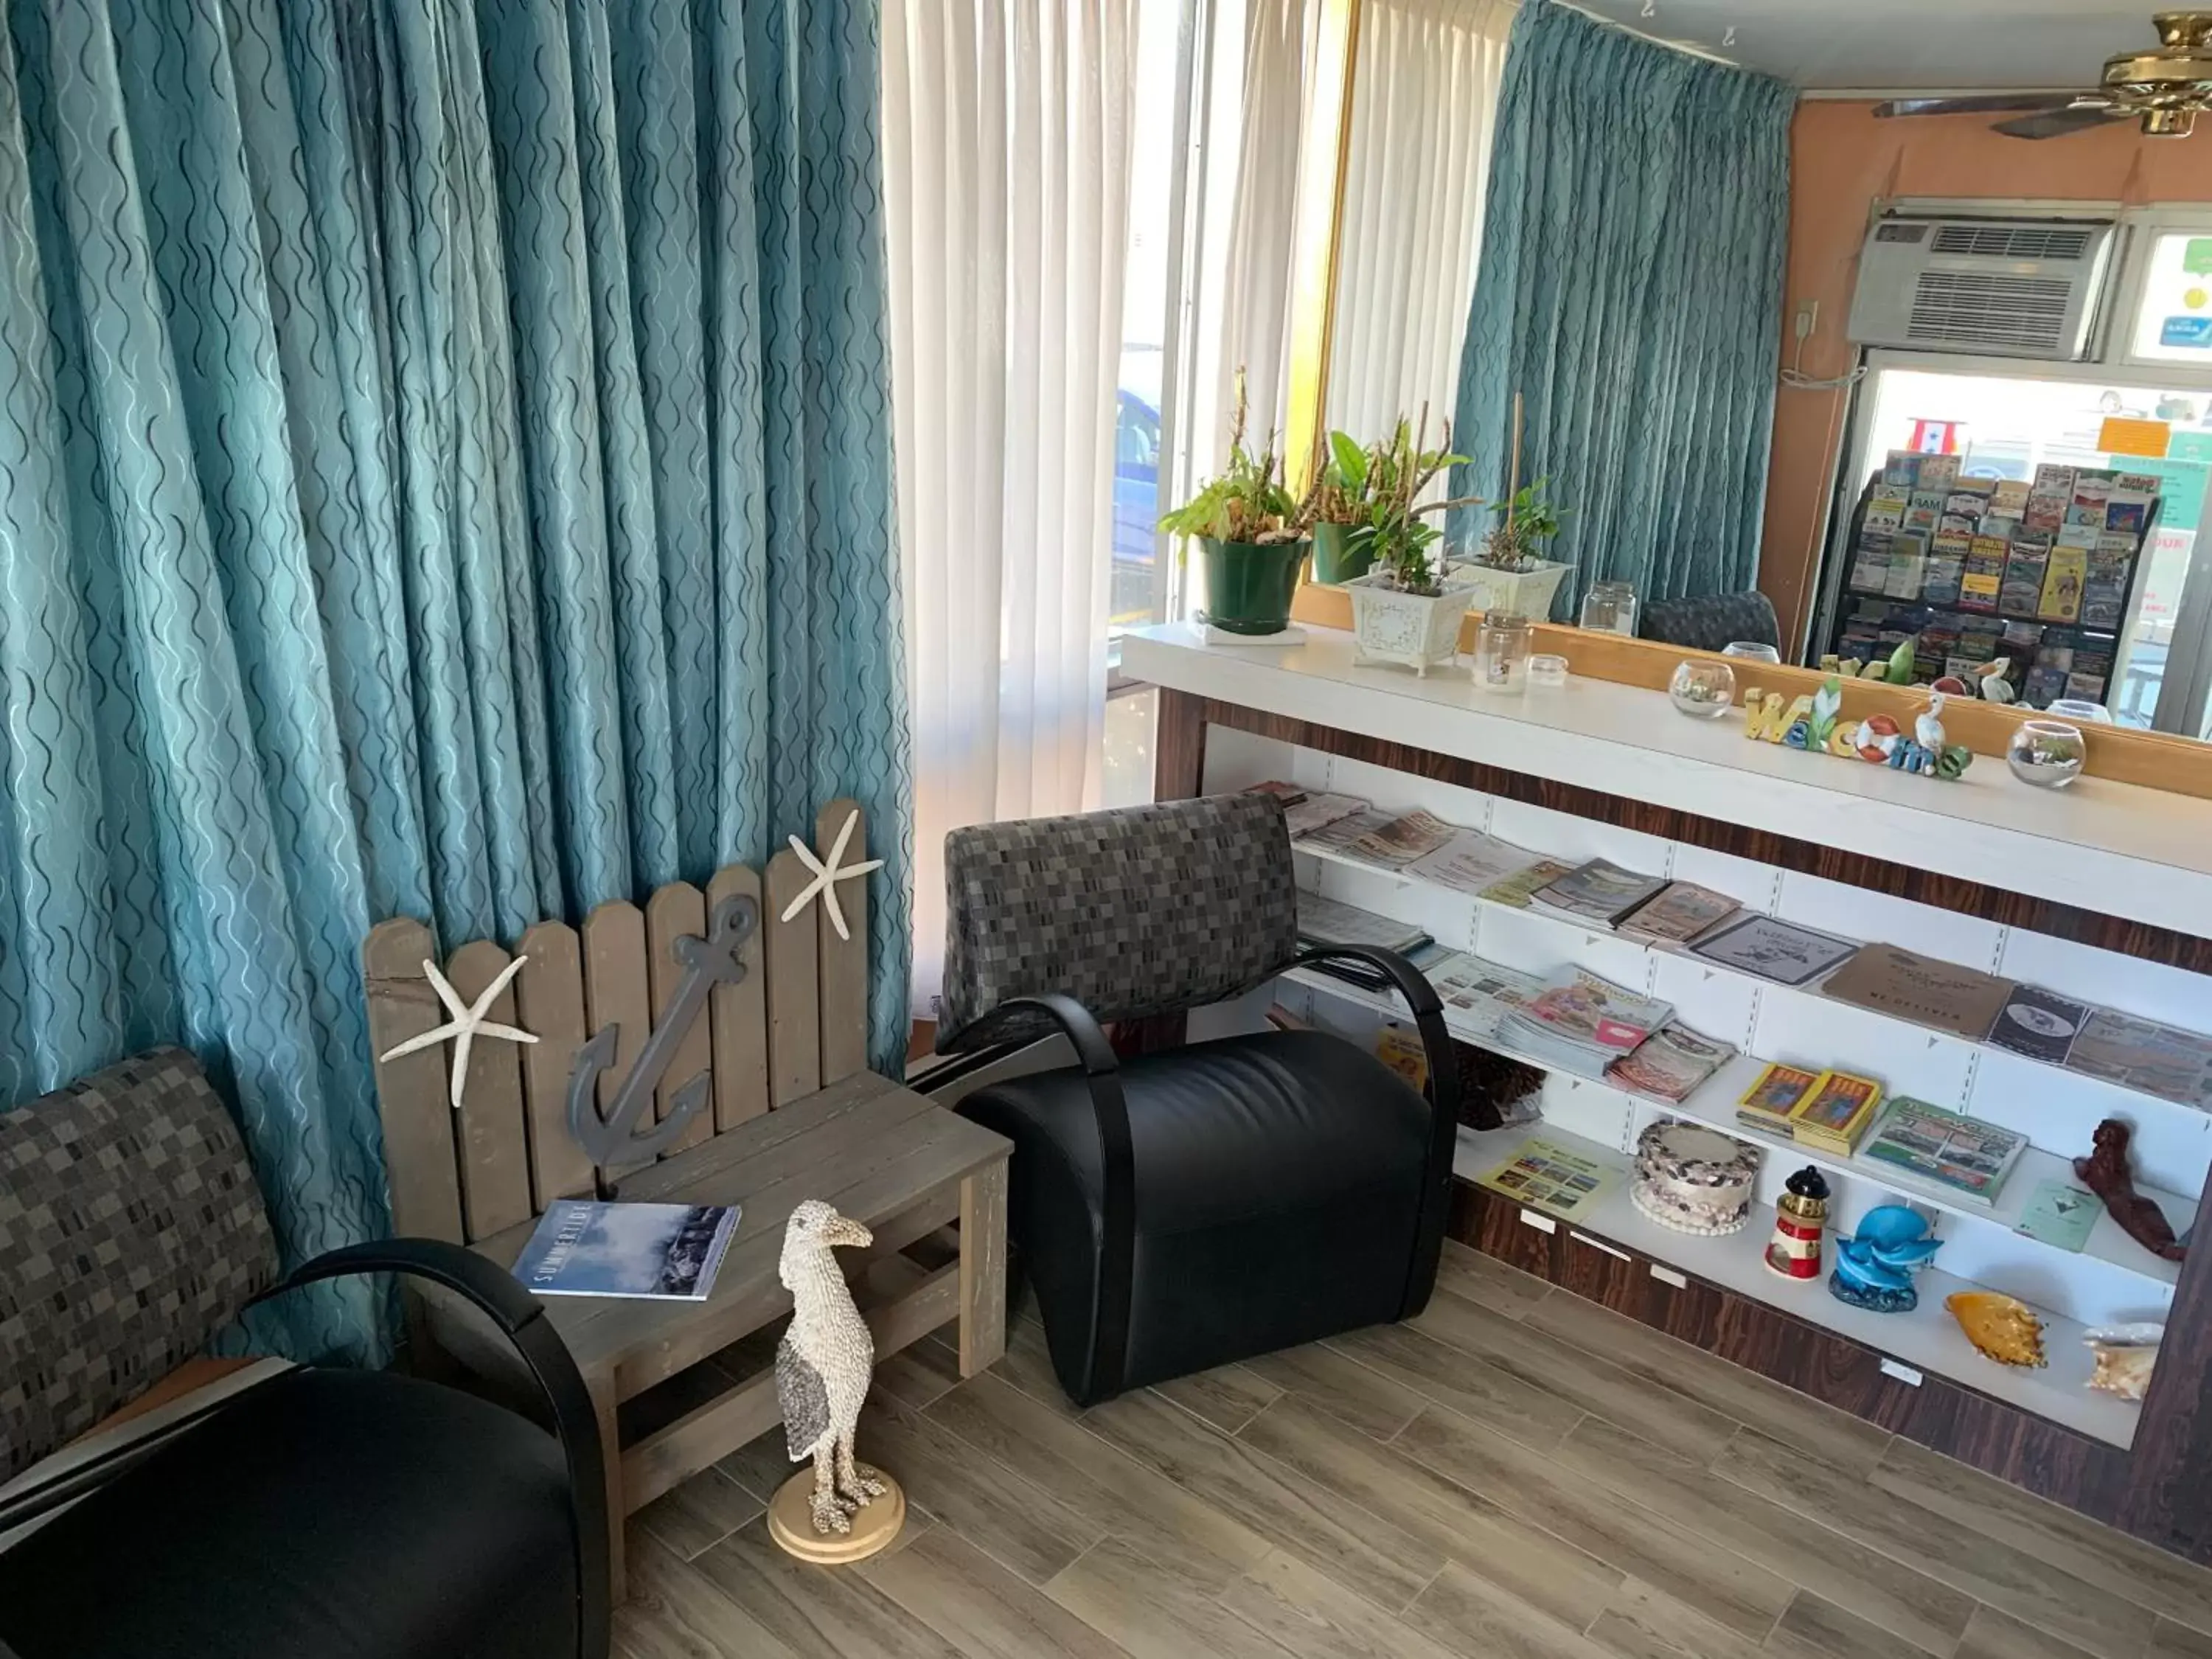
(796, 1022)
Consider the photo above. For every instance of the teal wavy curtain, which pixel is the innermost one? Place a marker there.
(445, 469)
(1629, 288)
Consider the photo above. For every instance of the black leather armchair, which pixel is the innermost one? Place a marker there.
(346, 1515)
(1186, 1208)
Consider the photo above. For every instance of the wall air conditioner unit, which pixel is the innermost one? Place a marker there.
(2000, 287)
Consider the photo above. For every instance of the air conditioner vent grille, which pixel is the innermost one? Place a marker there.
(1952, 308)
(2013, 242)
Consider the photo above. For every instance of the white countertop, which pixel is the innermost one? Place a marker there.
(2114, 848)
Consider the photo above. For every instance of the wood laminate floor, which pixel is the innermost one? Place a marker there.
(1517, 1473)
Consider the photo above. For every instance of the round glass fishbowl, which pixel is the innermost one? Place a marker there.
(1703, 690)
(2048, 754)
(1751, 651)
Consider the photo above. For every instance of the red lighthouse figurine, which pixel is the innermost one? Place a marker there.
(1799, 1218)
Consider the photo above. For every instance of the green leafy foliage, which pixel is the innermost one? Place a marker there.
(1246, 502)
(1525, 524)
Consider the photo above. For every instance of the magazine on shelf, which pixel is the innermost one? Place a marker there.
(1581, 1023)
(1407, 836)
(1478, 994)
(2145, 1055)
(1600, 893)
(1325, 922)
(1514, 890)
(1774, 950)
(1471, 861)
(2039, 1024)
(1680, 913)
(1670, 1064)
(1945, 996)
(1964, 1155)
(656, 1252)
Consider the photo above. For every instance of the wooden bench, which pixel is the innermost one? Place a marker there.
(794, 1116)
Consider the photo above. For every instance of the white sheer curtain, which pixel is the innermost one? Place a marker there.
(1006, 146)
(1425, 100)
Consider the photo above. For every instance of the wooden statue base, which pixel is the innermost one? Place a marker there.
(791, 1523)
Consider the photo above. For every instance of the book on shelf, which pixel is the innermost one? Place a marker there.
(1680, 913)
(2039, 1024)
(1477, 993)
(652, 1252)
(1403, 838)
(1516, 890)
(1671, 1062)
(1471, 861)
(1945, 996)
(1326, 922)
(1781, 951)
(1598, 893)
(1774, 1095)
(2145, 1055)
(1966, 1157)
(1581, 1023)
(1836, 1112)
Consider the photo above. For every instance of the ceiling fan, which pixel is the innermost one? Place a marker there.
(2164, 89)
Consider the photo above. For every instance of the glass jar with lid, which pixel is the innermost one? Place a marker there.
(1610, 608)
(1501, 652)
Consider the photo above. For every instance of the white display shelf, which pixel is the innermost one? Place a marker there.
(1810, 987)
(1713, 1104)
(1927, 1339)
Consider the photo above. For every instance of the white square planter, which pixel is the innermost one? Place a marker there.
(1417, 630)
(1524, 593)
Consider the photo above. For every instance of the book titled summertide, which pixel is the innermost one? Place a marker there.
(658, 1252)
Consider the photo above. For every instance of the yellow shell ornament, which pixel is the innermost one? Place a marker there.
(2002, 1326)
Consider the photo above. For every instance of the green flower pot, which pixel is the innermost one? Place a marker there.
(1335, 558)
(1249, 586)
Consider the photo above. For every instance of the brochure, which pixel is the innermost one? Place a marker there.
(1478, 994)
(1471, 861)
(1835, 1112)
(1673, 1060)
(1312, 812)
(1966, 1157)
(1339, 833)
(1325, 922)
(1778, 951)
(2060, 1214)
(1599, 892)
(1515, 889)
(1775, 1094)
(658, 1252)
(1678, 914)
(1580, 1022)
(2039, 1024)
(1402, 839)
(2142, 1053)
(1943, 995)
(1549, 1178)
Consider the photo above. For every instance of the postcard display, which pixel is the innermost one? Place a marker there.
(2077, 1277)
(2039, 571)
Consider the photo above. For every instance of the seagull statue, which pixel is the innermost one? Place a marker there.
(825, 1364)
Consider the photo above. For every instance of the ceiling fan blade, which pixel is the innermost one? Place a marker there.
(1979, 104)
(2059, 123)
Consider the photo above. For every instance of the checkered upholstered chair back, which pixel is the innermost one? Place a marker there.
(1711, 621)
(1137, 911)
(131, 1231)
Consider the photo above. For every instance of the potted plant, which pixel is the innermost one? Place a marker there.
(1341, 500)
(1407, 608)
(1509, 570)
(1251, 533)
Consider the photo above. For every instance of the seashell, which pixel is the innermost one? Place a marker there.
(2002, 1326)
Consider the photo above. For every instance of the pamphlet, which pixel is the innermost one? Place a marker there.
(1580, 1022)
(1774, 950)
(1311, 813)
(1943, 995)
(1777, 1092)
(1478, 994)
(2142, 1053)
(1548, 1177)
(2039, 1024)
(1670, 1063)
(1835, 1112)
(1678, 914)
(2060, 1214)
(657, 1252)
(1401, 840)
(1599, 892)
(1339, 835)
(1516, 890)
(1966, 1157)
(1325, 922)
(1470, 861)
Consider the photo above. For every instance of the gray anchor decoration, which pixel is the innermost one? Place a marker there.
(613, 1137)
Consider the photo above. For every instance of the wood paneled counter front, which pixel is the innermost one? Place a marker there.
(2106, 867)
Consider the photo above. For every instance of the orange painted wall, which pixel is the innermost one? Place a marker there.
(1841, 159)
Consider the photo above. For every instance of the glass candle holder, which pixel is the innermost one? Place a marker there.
(1610, 608)
(1703, 690)
(1547, 671)
(1501, 652)
(1751, 651)
(2080, 708)
(2049, 754)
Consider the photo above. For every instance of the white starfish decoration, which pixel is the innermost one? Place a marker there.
(467, 1024)
(827, 876)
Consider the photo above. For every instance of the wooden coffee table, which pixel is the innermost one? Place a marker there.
(883, 1156)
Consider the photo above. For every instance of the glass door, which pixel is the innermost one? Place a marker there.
(2009, 433)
